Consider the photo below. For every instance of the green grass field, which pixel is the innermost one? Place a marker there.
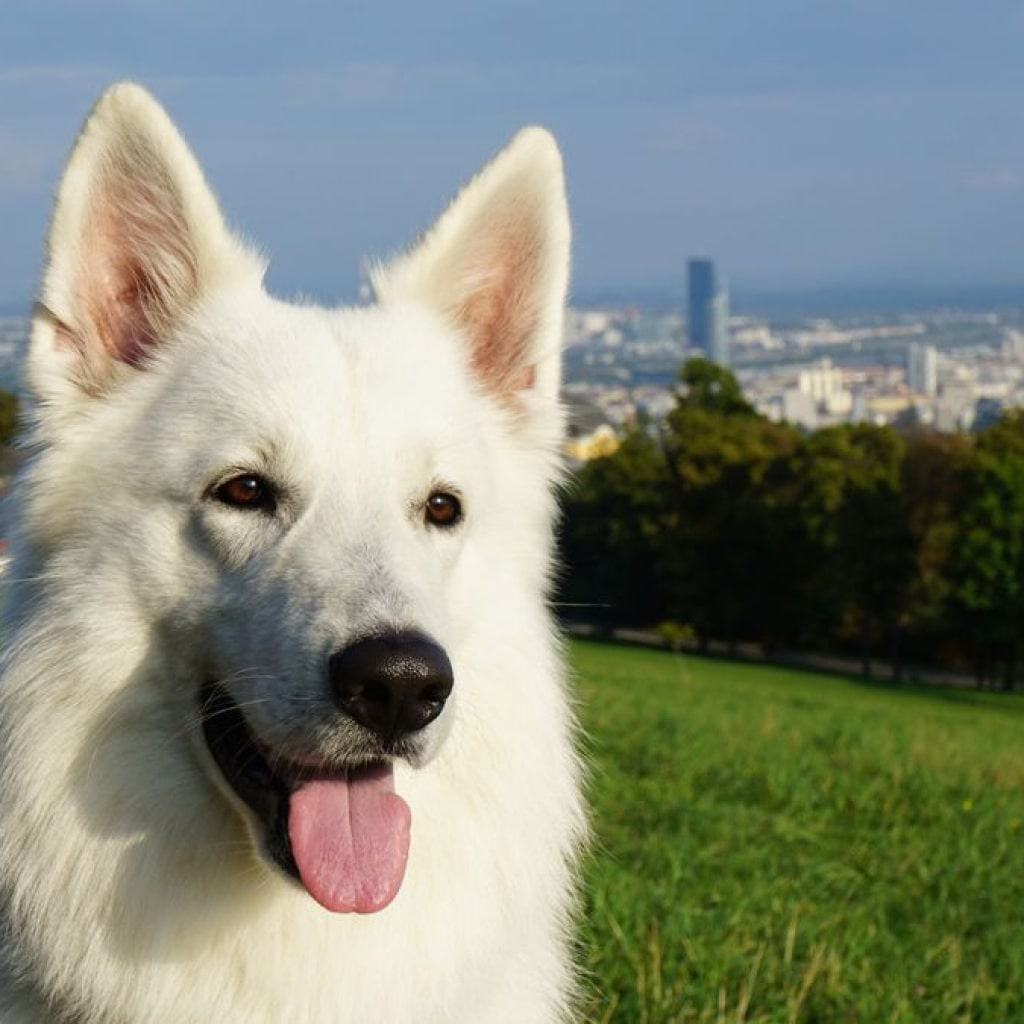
(774, 845)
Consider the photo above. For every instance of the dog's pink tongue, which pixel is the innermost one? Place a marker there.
(350, 840)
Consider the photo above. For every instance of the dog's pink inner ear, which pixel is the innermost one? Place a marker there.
(137, 268)
(499, 312)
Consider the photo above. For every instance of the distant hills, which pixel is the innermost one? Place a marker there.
(824, 300)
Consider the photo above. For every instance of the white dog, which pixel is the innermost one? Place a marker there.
(284, 736)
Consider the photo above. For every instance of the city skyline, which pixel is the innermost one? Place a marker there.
(802, 145)
(947, 370)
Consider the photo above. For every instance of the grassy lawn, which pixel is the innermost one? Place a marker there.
(783, 846)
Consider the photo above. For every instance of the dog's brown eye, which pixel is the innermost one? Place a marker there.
(247, 491)
(443, 509)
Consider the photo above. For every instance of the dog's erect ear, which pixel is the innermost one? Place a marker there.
(496, 265)
(136, 239)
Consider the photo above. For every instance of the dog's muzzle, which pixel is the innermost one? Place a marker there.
(339, 829)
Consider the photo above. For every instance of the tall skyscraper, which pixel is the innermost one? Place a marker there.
(708, 311)
(922, 369)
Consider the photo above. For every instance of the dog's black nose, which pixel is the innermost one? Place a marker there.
(392, 684)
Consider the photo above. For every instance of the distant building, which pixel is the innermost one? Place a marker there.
(823, 384)
(922, 369)
(1013, 345)
(708, 311)
(597, 445)
(955, 407)
(799, 408)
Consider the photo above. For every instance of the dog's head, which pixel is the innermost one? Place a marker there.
(307, 513)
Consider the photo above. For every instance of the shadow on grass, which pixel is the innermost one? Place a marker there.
(992, 700)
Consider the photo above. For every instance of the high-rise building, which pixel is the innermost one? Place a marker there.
(708, 311)
(922, 369)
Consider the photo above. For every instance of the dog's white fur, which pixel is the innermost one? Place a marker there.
(133, 889)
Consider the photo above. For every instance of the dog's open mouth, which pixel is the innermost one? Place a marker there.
(343, 834)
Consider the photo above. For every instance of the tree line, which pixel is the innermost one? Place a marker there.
(855, 539)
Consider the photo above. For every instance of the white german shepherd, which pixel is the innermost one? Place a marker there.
(284, 736)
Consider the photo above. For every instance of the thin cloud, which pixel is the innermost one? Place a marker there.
(37, 74)
(995, 181)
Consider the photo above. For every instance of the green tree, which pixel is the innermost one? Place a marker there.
(853, 537)
(935, 485)
(708, 386)
(728, 537)
(612, 536)
(986, 574)
(859, 537)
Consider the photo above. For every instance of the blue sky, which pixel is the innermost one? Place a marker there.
(801, 142)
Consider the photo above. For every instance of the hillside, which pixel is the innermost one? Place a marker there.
(776, 846)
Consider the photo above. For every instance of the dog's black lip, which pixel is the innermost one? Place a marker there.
(241, 762)
(264, 787)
